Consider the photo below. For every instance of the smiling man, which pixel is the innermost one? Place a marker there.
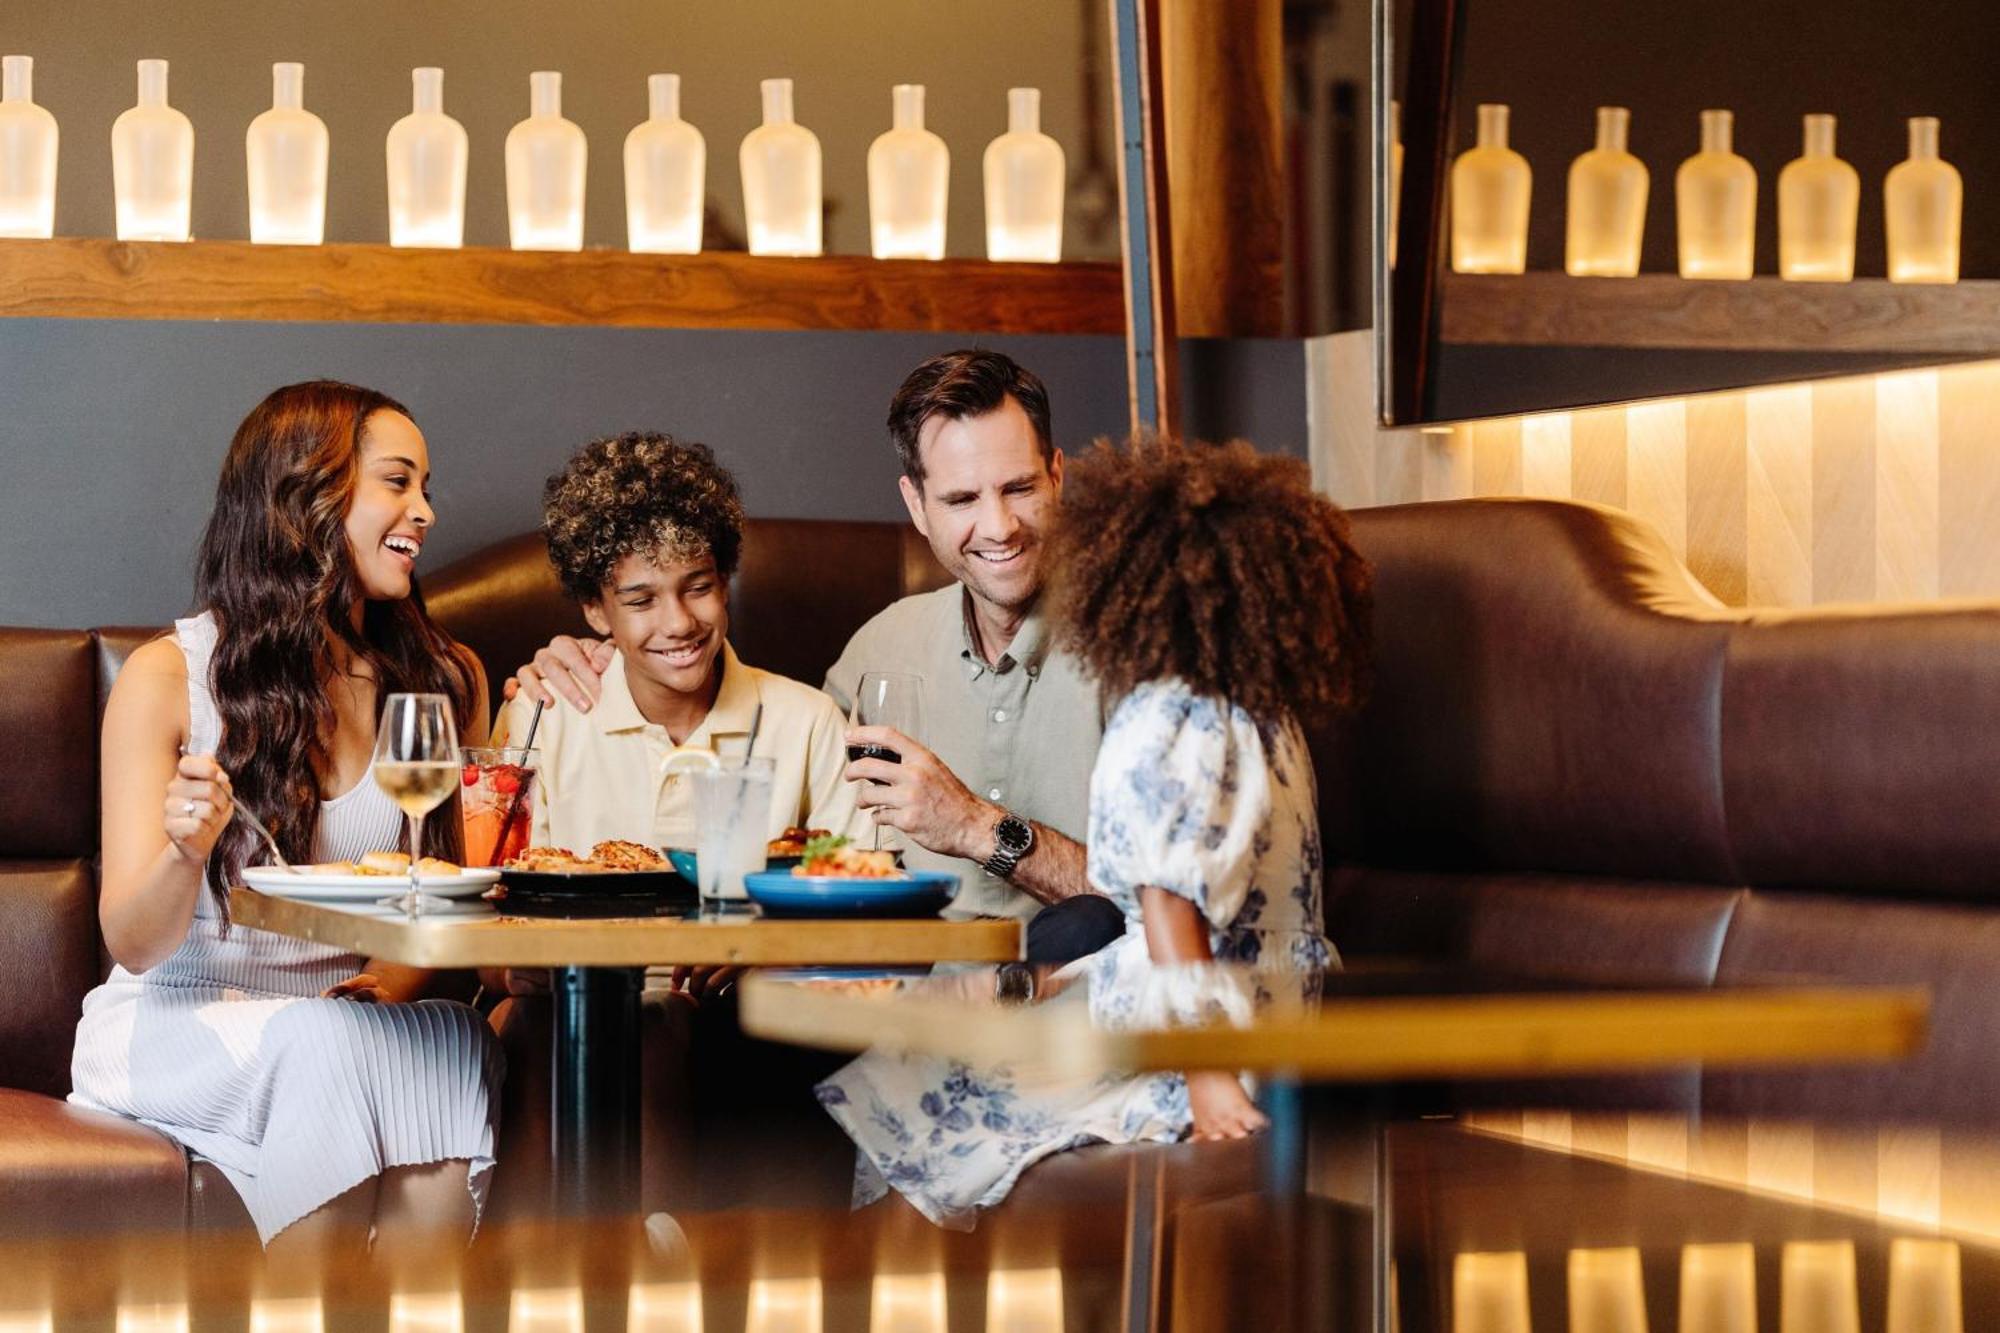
(997, 788)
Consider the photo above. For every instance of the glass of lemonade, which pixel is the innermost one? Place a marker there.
(732, 813)
(496, 800)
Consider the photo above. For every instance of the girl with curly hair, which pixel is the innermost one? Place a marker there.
(331, 1104)
(1218, 604)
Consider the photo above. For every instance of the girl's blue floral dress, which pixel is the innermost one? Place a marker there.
(1189, 795)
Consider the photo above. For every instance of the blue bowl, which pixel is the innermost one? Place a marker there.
(918, 893)
(684, 863)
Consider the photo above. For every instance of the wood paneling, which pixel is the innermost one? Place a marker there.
(1763, 314)
(1875, 487)
(94, 278)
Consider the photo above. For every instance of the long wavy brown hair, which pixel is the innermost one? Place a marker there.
(1214, 564)
(276, 570)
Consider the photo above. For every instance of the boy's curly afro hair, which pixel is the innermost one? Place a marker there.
(639, 494)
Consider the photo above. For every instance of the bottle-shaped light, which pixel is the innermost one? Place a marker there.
(1395, 176)
(152, 164)
(286, 151)
(1607, 203)
(1024, 185)
(1819, 199)
(909, 179)
(1922, 201)
(781, 179)
(27, 154)
(1490, 185)
(545, 166)
(427, 157)
(1715, 206)
(666, 162)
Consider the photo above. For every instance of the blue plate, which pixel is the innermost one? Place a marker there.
(919, 893)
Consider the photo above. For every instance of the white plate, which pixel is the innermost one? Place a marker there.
(281, 883)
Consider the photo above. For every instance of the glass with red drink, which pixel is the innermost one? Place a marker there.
(496, 799)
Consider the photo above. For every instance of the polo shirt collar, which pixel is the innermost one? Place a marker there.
(734, 708)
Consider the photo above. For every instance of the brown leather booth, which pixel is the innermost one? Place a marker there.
(1573, 759)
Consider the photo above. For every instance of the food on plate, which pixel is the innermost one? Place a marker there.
(384, 864)
(792, 842)
(609, 857)
(617, 855)
(837, 857)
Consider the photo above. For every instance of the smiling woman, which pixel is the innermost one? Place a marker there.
(237, 1043)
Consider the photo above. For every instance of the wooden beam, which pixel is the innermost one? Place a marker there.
(1657, 310)
(1152, 353)
(1224, 67)
(95, 278)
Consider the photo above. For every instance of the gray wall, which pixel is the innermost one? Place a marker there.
(111, 432)
(842, 57)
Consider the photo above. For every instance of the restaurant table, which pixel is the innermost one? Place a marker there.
(597, 973)
(1367, 1033)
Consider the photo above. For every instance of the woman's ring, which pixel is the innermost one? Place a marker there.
(187, 809)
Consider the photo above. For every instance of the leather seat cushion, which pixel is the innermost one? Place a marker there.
(64, 1168)
(49, 956)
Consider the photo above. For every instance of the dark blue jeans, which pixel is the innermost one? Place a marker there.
(1073, 928)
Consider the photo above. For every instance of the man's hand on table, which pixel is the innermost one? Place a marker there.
(921, 797)
(571, 668)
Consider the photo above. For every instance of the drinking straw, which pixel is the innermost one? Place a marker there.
(520, 792)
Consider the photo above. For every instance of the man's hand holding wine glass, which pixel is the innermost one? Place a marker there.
(920, 796)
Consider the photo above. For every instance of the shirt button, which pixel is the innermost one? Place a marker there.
(1034, 671)
(993, 794)
(999, 715)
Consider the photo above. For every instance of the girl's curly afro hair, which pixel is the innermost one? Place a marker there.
(1215, 564)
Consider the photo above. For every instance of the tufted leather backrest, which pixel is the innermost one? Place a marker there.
(1554, 693)
(48, 835)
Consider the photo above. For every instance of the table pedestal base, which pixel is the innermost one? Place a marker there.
(594, 1121)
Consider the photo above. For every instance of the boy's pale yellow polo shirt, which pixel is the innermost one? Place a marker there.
(602, 772)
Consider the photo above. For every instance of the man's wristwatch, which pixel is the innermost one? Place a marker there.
(1013, 838)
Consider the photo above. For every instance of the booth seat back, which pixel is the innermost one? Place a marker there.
(1574, 759)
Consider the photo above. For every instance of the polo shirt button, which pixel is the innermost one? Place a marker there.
(993, 794)
(999, 715)
(1034, 671)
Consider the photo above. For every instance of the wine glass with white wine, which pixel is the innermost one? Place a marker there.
(416, 763)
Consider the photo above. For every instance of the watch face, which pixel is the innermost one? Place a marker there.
(1013, 835)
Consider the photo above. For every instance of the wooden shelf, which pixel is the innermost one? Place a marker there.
(1763, 314)
(94, 278)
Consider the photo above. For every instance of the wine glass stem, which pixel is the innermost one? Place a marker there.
(416, 901)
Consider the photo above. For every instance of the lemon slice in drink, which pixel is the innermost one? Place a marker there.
(689, 759)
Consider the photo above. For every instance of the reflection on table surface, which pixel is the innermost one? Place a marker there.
(1489, 1235)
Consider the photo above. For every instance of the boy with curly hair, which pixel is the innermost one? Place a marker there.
(645, 531)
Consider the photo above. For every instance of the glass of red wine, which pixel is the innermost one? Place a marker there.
(888, 699)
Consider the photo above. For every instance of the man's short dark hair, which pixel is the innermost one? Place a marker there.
(956, 385)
